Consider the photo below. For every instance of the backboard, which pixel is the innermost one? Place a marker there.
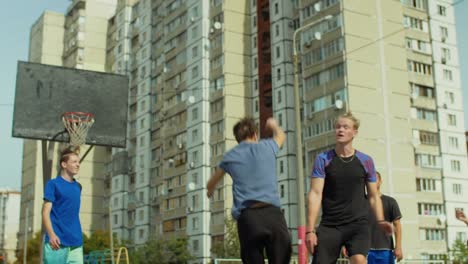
(44, 93)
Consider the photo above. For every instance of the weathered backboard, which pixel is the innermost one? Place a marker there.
(44, 93)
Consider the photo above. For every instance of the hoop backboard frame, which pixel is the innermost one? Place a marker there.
(44, 93)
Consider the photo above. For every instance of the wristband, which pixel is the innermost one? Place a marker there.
(311, 231)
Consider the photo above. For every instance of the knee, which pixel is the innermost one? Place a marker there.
(358, 259)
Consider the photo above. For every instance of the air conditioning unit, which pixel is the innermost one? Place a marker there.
(189, 209)
(180, 145)
(307, 43)
(443, 39)
(192, 164)
(192, 19)
(444, 60)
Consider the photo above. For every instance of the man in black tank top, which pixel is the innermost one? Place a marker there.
(339, 182)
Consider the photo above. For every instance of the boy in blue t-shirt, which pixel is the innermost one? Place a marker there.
(60, 214)
(252, 165)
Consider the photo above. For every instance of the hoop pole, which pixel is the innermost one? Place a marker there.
(86, 153)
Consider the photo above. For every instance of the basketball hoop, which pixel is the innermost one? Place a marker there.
(77, 125)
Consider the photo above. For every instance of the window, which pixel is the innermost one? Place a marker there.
(254, 21)
(195, 223)
(461, 236)
(194, 114)
(195, 52)
(453, 142)
(278, 52)
(279, 97)
(194, 72)
(419, 67)
(276, 8)
(281, 166)
(448, 75)
(431, 234)
(195, 245)
(427, 185)
(455, 165)
(415, 23)
(457, 189)
(277, 29)
(428, 161)
(254, 62)
(442, 10)
(278, 74)
(419, 4)
(446, 55)
(452, 120)
(428, 209)
(256, 106)
(443, 33)
(429, 138)
(282, 190)
(254, 42)
(420, 90)
(425, 114)
(195, 135)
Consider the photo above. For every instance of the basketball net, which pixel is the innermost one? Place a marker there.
(77, 125)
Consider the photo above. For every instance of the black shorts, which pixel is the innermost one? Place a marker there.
(354, 236)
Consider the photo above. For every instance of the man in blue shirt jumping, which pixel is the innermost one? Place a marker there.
(60, 214)
(252, 165)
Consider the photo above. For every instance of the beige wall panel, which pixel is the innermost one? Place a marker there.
(362, 25)
(362, 74)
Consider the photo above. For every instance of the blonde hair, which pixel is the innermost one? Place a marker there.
(350, 116)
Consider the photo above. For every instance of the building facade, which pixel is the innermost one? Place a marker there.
(196, 67)
(9, 224)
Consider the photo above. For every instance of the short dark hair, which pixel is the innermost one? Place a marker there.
(66, 153)
(245, 128)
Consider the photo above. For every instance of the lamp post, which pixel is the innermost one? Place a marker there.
(302, 251)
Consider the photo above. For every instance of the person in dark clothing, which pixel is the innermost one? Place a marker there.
(252, 166)
(339, 181)
(383, 249)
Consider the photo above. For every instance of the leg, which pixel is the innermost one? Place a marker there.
(75, 256)
(278, 245)
(358, 259)
(357, 241)
(250, 229)
(52, 256)
(329, 242)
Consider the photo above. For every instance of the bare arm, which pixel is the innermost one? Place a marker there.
(278, 134)
(398, 248)
(215, 178)
(314, 201)
(53, 239)
(461, 216)
(376, 206)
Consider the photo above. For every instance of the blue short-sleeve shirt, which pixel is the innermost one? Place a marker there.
(252, 167)
(65, 197)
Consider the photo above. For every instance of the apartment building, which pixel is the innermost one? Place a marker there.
(196, 67)
(76, 40)
(9, 224)
(398, 72)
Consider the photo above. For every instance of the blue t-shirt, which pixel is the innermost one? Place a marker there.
(65, 199)
(252, 167)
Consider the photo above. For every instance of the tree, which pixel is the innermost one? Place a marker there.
(229, 247)
(460, 252)
(162, 251)
(34, 246)
(99, 240)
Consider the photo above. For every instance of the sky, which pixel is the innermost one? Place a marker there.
(15, 23)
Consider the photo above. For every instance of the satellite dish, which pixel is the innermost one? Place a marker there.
(191, 99)
(338, 104)
(163, 192)
(170, 161)
(317, 6)
(318, 35)
(217, 25)
(191, 186)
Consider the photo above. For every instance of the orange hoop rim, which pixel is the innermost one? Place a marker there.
(71, 117)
